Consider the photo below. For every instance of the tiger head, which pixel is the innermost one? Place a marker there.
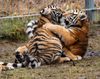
(20, 54)
(75, 17)
(58, 16)
(53, 14)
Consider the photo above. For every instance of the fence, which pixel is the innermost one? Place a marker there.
(27, 8)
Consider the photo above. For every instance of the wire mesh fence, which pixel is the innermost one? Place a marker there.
(25, 7)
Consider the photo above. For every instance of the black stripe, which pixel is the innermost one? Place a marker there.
(14, 65)
(45, 60)
(29, 32)
(42, 33)
(38, 39)
(48, 54)
(35, 23)
(35, 29)
(4, 64)
(29, 26)
(42, 45)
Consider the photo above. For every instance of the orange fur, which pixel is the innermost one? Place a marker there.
(70, 38)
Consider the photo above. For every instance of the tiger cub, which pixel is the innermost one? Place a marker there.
(75, 37)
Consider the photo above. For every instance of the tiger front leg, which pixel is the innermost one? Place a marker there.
(63, 59)
(69, 54)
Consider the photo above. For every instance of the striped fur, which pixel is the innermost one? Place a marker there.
(55, 15)
(75, 37)
(43, 48)
(31, 26)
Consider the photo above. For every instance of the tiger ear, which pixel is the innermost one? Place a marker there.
(83, 17)
(42, 12)
(53, 6)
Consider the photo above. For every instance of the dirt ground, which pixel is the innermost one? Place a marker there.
(87, 68)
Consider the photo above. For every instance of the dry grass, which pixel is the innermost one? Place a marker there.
(84, 69)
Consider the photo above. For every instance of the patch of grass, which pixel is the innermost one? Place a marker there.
(14, 29)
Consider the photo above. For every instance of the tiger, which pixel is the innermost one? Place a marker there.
(42, 48)
(33, 55)
(75, 36)
(72, 21)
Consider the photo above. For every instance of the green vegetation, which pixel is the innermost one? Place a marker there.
(13, 29)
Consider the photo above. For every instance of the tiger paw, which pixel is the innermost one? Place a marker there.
(64, 59)
(77, 58)
(67, 59)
